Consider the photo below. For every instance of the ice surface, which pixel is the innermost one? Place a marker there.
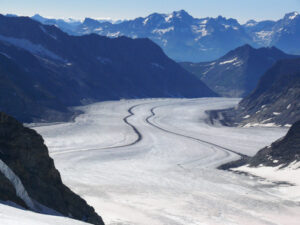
(289, 174)
(164, 170)
(14, 216)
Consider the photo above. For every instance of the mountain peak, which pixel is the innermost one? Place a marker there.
(39, 18)
(291, 16)
(90, 22)
(250, 23)
(181, 14)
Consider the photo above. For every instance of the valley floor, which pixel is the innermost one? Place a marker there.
(153, 161)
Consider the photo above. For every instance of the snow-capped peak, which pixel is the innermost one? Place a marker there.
(292, 15)
(182, 14)
(251, 23)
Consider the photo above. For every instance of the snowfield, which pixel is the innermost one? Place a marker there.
(153, 161)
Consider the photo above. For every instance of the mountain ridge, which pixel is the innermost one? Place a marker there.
(274, 101)
(236, 73)
(66, 71)
(186, 38)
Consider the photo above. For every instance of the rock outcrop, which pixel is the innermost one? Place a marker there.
(24, 157)
(281, 153)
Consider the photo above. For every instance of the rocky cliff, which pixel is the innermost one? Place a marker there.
(29, 178)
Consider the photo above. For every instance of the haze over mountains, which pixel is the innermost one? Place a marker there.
(44, 70)
(185, 38)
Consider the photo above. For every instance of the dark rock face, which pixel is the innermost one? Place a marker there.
(280, 153)
(275, 99)
(237, 73)
(45, 70)
(24, 152)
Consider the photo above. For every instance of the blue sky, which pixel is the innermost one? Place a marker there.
(121, 9)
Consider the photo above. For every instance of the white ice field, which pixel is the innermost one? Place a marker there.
(153, 162)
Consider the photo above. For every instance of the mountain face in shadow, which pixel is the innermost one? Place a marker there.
(237, 73)
(29, 178)
(45, 71)
(274, 102)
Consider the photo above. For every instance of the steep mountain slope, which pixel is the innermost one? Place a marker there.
(182, 37)
(29, 178)
(72, 70)
(22, 96)
(283, 152)
(237, 73)
(275, 101)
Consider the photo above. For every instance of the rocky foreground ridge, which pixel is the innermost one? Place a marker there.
(29, 178)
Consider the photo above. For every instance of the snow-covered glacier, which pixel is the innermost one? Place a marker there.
(153, 161)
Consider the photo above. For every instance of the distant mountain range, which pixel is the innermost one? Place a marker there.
(44, 70)
(185, 38)
(274, 102)
(237, 73)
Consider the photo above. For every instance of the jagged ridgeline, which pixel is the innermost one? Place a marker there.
(186, 38)
(29, 178)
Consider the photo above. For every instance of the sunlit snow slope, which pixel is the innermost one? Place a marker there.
(153, 161)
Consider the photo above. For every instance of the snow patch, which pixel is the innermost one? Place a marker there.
(168, 18)
(200, 29)
(293, 16)
(229, 61)
(31, 47)
(98, 29)
(264, 35)
(114, 35)
(7, 56)
(289, 174)
(261, 125)
(157, 66)
(17, 183)
(162, 31)
(146, 21)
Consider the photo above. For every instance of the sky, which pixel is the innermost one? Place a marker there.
(243, 10)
